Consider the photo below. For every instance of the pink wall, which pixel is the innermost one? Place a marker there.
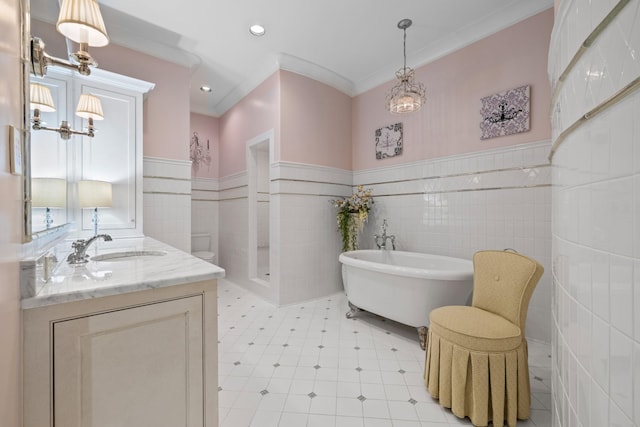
(449, 121)
(10, 221)
(166, 109)
(255, 114)
(208, 129)
(316, 122)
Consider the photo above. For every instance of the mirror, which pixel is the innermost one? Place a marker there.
(49, 162)
(112, 155)
(56, 165)
(43, 156)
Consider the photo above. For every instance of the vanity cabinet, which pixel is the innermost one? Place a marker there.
(145, 358)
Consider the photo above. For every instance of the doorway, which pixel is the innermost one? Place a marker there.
(259, 154)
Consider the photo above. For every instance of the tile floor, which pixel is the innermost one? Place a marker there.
(308, 365)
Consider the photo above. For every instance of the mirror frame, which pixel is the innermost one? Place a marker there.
(25, 132)
(25, 71)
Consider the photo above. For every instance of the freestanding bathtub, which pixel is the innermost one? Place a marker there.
(404, 286)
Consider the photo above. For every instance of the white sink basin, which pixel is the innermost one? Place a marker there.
(126, 255)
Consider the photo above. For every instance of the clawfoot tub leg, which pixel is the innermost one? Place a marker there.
(422, 333)
(353, 310)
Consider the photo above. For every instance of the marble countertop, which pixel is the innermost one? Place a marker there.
(119, 275)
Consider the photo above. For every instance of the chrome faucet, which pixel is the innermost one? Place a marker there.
(381, 240)
(79, 254)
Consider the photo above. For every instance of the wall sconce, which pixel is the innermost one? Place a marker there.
(95, 194)
(198, 153)
(48, 193)
(89, 107)
(81, 22)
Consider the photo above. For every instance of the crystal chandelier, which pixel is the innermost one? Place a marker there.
(407, 95)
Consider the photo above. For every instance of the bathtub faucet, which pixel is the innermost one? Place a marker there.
(381, 240)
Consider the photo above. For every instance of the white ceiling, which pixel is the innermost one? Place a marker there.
(352, 45)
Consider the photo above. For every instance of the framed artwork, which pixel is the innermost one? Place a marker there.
(505, 113)
(389, 141)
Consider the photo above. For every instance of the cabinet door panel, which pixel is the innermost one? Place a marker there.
(111, 156)
(141, 366)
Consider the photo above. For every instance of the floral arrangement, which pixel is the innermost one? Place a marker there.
(353, 212)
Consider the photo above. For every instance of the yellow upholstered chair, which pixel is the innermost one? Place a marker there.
(476, 361)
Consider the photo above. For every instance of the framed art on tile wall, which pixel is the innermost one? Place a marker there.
(505, 113)
(389, 141)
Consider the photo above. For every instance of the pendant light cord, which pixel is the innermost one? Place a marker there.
(405, 50)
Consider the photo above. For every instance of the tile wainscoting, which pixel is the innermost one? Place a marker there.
(450, 206)
(167, 201)
(304, 245)
(204, 210)
(596, 212)
(455, 206)
(595, 73)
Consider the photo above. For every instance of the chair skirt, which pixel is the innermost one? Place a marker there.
(484, 386)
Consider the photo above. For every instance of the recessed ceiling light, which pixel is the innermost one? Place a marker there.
(257, 30)
(205, 89)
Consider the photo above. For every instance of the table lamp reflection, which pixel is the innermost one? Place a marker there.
(94, 195)
(48, 193)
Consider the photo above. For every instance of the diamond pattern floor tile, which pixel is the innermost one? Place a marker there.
(308, 365)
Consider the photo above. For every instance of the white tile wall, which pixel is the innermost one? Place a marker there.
(596, 221)
(450, 206)
(458, 205)
(205, 209)
(308, 241)
(167, 201)
(304, 247)
(233, 236)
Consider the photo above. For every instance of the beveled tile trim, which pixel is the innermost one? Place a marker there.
(464, 190)
(456, 175)
(168, 178)
(166, 193)
(234, 198)
(609, 102)
(310, 181)
(586, 44)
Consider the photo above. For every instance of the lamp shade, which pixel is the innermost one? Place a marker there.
(48, 192)
(407, 95)
(89, 107)
(40, 98)
(94, 194)
(81, 21)
(405, 102)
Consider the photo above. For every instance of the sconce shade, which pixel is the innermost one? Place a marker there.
(40, 97)
(48, 193)
(89, 107)
(94, 194)
(81, 21)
